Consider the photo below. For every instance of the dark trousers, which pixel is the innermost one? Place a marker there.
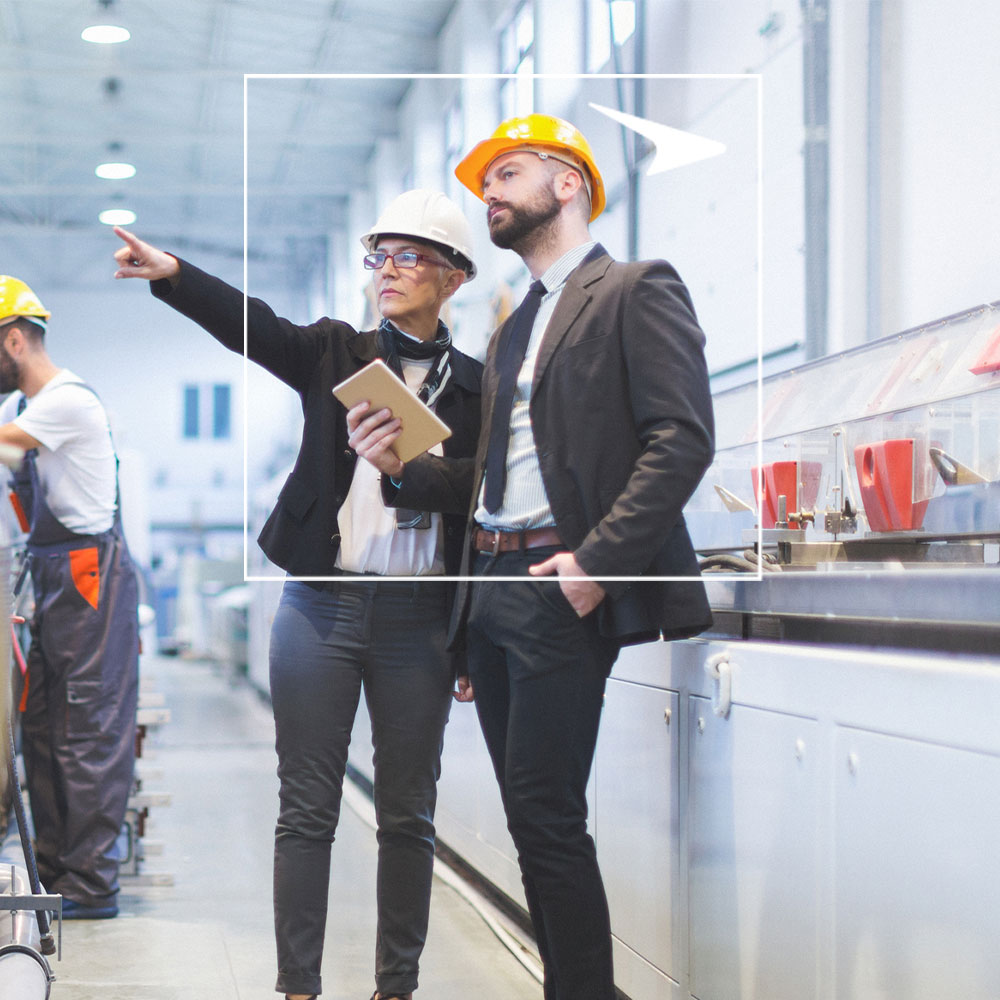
(327, 644)
(539, 672)
(78, 730)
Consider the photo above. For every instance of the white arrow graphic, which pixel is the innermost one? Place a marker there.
(674, 147)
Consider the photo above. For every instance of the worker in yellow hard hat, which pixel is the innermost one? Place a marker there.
(17, 300)
(597, 427)
(78, 728)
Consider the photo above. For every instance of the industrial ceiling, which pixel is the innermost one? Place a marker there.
(170, 101)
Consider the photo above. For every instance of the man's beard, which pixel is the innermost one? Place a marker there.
(10, 375)
(525, 224)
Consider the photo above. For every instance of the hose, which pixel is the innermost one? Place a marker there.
(48, 944)
(749, 562)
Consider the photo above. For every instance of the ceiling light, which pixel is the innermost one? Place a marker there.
(115, 171)
(105, 34)
(117, 217)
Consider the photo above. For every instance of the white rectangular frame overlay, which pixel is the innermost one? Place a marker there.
(743, 577)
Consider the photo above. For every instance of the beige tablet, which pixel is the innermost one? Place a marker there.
(383, 389)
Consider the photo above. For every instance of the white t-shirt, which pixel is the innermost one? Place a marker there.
(370, 541)
(76, 463)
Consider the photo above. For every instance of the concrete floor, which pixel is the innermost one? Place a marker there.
(210, 933)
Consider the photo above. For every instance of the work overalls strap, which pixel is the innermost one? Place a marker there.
(45, 529)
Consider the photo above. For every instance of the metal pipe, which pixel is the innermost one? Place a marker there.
(816, 112)
(874, 221)
(24, 972)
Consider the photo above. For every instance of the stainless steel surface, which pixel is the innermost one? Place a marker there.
(954, 598)
(24, 973)
(833, 832)
(636, 823)
(22, 977)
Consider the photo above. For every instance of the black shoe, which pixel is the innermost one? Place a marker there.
(72, 910)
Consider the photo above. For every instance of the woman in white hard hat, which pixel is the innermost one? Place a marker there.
(333, 638)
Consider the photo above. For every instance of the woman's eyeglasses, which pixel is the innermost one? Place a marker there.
(405, 258)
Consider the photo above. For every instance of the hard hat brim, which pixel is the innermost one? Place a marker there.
(471, 171)
(370, 242)
(428, 217)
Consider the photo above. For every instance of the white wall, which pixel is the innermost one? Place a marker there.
(940, 150)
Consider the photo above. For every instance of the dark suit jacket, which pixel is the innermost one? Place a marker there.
(301, 534)
(622, 417)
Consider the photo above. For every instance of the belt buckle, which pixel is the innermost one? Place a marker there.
(496, 544)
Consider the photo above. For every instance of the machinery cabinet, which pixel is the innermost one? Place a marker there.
(636, 823)
(826, 832)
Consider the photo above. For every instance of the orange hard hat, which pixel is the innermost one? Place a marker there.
(545, 135)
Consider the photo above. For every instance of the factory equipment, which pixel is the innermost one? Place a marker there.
(878, 461)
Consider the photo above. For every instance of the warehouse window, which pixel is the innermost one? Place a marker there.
(220, 412)
(517, 58)
(206, 411)
(191, 414)
(607, 20)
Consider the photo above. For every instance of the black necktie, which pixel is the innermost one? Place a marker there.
(510, 357)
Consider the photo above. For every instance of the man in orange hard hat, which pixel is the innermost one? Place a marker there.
(597, 427)
(78, 729)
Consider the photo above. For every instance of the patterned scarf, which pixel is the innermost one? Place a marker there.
(395, 345)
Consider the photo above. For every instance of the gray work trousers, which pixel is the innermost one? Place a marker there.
(327, 643)
(78, 729)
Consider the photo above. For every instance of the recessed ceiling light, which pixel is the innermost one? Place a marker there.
(115, 171)
(105, 34)
(117, 217)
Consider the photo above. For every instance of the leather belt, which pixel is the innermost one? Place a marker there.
(495, 542)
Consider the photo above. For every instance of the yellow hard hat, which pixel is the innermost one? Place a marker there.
(17, 299)
(545, 135)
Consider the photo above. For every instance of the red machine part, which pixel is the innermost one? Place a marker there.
(885, 474)
(798, 482)
(989, 359)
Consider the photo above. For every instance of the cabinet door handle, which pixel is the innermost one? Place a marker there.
(719, 668)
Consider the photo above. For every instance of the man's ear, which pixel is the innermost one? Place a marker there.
(11, 338)
(567, 184)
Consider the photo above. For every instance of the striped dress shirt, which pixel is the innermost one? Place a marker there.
(525, 503)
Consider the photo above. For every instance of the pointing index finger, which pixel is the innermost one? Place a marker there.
(133, 241)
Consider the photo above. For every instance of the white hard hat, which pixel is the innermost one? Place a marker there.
(429, 216)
